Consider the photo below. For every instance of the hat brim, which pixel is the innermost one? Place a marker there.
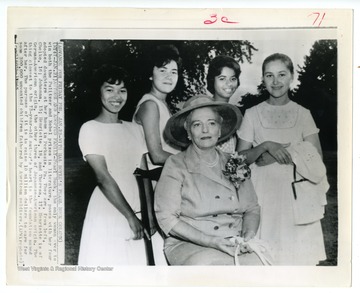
(176, 133)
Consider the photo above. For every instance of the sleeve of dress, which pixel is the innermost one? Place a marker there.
(89, 141)
(168, 195)
(309, 126)
(246, 130)
(249, 198)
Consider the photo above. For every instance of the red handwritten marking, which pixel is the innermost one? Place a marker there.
(317, 17)
(224, 19)
(322, 18)
(209, 21)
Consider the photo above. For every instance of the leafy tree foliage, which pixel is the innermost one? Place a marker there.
(318, 89)
(82, 57)
(249, 100)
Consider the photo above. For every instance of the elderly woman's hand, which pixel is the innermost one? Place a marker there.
(224, 245)
(245, 247)
(229, 245)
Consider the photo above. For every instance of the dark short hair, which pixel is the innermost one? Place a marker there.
(215, 68)
(111, 74)
(162, 55)
(278, 56)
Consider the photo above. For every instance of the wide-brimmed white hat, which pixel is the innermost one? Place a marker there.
(176, 133)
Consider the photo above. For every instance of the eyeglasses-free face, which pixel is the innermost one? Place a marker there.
(277, 79)
(165, 77)
(204, 129)
(113, 96)
(225, 84)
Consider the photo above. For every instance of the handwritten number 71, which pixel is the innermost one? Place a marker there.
(318, 19)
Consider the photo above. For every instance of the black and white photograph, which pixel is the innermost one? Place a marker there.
(154, 71)
(182, 149)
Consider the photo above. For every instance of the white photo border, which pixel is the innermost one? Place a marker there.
(95, 23)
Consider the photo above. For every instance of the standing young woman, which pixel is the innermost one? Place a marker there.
(112, 231)
(268, 134)
(152, 111)
(222, 81)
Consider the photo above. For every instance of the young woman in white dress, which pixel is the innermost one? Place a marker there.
(113, 232)
(266, 133)
(152, 111)
(223, 79)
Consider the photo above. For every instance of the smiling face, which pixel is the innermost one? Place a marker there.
(277, 79)
(165, 77)
(113, 97)
(225, 84)
(204, 127)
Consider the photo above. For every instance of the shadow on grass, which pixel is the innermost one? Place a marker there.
(80, 182)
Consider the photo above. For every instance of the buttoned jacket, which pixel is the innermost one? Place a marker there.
(190, 191)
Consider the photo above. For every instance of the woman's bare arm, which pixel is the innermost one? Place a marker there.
(148, 115)
(112, 192)
(276, 150)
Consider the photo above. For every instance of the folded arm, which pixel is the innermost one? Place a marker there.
(276, 150)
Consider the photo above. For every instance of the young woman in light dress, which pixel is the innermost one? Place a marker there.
(223, 79)
(152, 111)
(267, 133)
(113, 232)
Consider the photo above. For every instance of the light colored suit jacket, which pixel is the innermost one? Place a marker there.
(190, 191)
(309, 206)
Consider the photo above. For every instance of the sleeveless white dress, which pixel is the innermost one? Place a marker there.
(165, 115)
(106, 235)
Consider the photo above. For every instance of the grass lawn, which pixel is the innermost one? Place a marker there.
(79, 183)
(330, 221)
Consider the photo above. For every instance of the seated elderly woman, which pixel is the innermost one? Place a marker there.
(196, 206)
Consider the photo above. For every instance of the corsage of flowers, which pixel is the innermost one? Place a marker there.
(236, 169)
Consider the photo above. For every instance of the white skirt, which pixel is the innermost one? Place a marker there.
(106, 237)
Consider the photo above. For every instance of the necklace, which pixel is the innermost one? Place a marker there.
(212, 164)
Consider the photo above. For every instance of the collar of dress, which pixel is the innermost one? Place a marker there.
(278, 117)
(194, 165)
